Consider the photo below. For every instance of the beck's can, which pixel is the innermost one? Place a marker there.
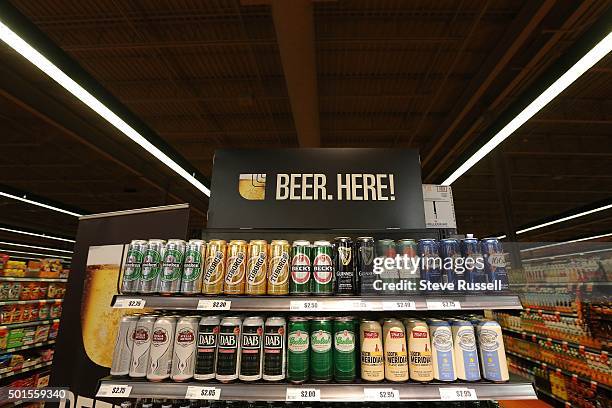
(474, 270)
(442, 350)
(466, 354)
(492, 352)
(322, 268)
(152, 266)
(191, 279)
(345, 361)
(142, 346)
(452, 270)
(372, 364)
(364, 264)
(132, 267)
(278, 267)
(206, 357)
(257, 267)
(162, 345)
(431, 263)
(122, 353)
(251, 349)
(185, 345)
(228, 349)
(172, 267)
(495, 262)
(214, 267)
(396, 355)
(235, 269)
(321, 354)
(344, 265)
(274, 352)
(300, 280)
(419, 350)
(298, 350)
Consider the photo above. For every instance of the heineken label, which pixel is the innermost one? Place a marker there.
(300, 268)
(173, 263)
(133, 265)
(321, 341)
(213, 263)
(235, 263)
(256, 264)
(298, 341)
(344, 341)
(151, 265)
(192, 266)
(323, 269)
(279, 264)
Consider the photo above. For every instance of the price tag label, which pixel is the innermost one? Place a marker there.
(353, 305)
(129, 303)
(400, 305)
(303, 394)
(380, 394)
(457, 394)
(214, 304)
(114, 390)
(443, 304)
(304, 305)
(204, 393)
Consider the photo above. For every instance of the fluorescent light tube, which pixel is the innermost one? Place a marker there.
(42, 63)
(584, 64)
(569, 217)
(35, 234)
(35, 253)
(34, 247)
(567, 242)
(37, 203)
(501, 237)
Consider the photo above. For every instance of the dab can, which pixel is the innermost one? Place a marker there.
(275, 349)
(466, 354)
(278, 267)
(132, 267)
(345, 358)
(321, 354)
(419, 350)
(495, 262)
(142, 346)
(214, 267)
(191, 279)
(344, 265)
(364, 264)
(124, 344)
(371, 350)
(442, 350)
(322, 268)
(162, 345)
(396, 355)
(298, 350)
(431, 263)
(172, 267)
(492, 352)
(299, 283)
(236, 267)
(257, 267)
(251, 349)
(151, 266)
(206, 357)
(228, 349)
(184, 355)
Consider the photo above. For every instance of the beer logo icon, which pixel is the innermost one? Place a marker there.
(252, 186)
(345, 255)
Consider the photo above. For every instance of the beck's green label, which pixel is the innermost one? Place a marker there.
(151, 265)
(193, 266)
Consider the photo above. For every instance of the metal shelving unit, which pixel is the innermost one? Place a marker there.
(26, 324)
(529, 335)
(25, 302)
(25, 369)
(31, 346)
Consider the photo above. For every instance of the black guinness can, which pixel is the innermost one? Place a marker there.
(364, 264)
(275, 349)
(206, 352)
(251, 349)
(344, 266)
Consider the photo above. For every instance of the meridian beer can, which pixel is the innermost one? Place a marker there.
(495, 262)
(419, 350)
(132, 268)
(364, 264)
(278, 268)
(372, 365)
(228, 349)
(124, 344)
(322, 268)
(431, 263)
(299, 283)
(206, 361)
(184, 355)
(450, 252)
(162, 345)
(151, 266)
(345, 361)
(442, 350)
(386, 250)
(214, 267)
(464, 346)
(474, 271)
(257, 267)
(172, 267)
(396, 355)
(492, 352)
(195, 254)
(142, 346)
(345, 281)
(274, 358)
(251, 349)
(298, 350)
(321, 354)
(236, 267)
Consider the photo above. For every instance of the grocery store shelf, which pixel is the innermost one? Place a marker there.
(320, 303)
(9, 373)
(26, 279)
(31, 346)
(26, 302)
(560, 342)
(550, 312)
(26, 324)
(516, 390)
(551, 396)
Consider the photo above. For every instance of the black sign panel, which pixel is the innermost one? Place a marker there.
(316, 188)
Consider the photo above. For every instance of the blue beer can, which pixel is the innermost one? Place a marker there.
(452, 265)
(474, 267)
(431, 263)
(495, 263)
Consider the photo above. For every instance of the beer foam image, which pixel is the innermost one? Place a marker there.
(252, 186)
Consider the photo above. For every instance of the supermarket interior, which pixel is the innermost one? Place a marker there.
(305, 203)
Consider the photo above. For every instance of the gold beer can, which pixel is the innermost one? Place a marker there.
(257, 267)
(214, 267)
(278, 267)
(235, 269)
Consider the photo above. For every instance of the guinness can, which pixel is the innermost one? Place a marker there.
(142, 346)
(162, 347)
(184, 356)
(274, 357)
(251, 349)
(346, 282)
(206, 362)
(228, 349)
(364, 264)
(214, 267)
(124, 345)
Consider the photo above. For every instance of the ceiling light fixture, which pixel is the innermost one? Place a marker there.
(38, 203)
(35, 253)
(569, 217)
(34, 247)
(567, 242)
(41, 62)
(596, 53)
(567, 255)
(35, 234)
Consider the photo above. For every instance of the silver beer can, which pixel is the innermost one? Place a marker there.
(195, 254)
(184, 355)
(162, 345)
(142, 345)
(251, 349)
(132, 267)
(172, 267)
(124, 344)
(151, 266)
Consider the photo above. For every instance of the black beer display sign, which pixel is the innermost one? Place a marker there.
(316, 188)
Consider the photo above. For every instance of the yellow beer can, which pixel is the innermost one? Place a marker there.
(214, 267)
(235, 267)
(278, 267)
(257, 267)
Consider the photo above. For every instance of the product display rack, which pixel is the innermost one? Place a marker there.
(11, 373)
(534, 337)
(31, 346)
(26, 302)
(26, 324)
(26, 279)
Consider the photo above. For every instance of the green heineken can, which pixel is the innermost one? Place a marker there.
(321, 356)
(345, 352)
(298, 350)
(322, 268)
(299, 282)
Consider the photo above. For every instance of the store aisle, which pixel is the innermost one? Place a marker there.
(524, 404)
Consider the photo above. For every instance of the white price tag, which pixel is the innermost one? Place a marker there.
(443, 304)
(114, 390)
(126, 303)
(205, 393)
(303, 394)
(304, 305)
(457, 394)
(214, 304)
(400, 305)
(352, 305)
(380, 394)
